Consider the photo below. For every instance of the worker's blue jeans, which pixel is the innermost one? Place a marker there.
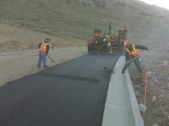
(136, 61)
(123, 51)
(42, 59)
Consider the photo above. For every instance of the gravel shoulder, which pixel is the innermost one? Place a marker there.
(17, 64)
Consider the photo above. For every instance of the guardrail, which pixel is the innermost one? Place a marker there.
(121, 107)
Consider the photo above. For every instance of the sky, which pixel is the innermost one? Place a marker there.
(161, 3)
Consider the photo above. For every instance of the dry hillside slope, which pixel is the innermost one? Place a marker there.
(14, 38)
(77, 18)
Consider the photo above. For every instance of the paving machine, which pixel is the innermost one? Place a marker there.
(103, 42)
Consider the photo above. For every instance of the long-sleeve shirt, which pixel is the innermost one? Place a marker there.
(130, 48)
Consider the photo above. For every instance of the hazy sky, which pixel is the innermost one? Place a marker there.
(161, 3)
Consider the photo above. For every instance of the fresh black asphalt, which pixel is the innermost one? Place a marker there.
(68, 94)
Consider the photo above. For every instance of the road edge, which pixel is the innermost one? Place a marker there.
(121, 106)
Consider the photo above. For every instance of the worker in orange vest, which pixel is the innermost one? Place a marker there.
(43, 52)
(132, 55)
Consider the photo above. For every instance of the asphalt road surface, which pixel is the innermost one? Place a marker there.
(68, 94)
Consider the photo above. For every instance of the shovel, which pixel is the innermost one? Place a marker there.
(51, 59)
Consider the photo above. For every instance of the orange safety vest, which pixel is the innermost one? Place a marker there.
(134, 52)
(43, 47)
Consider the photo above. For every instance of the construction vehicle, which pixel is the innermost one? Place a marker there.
(103, 43)
(97, 44)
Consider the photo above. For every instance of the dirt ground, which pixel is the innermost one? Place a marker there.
(156, 66)
(19, 38)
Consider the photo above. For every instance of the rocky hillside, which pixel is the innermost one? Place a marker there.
(78, 18)
(58, 17)
(147, 24)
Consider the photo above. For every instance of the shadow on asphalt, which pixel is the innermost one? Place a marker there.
(72, 77)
